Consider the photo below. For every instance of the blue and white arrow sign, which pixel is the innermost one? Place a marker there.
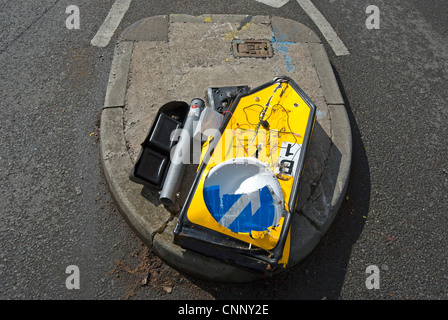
(254, 211)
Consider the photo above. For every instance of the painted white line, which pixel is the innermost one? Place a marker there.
(330, 35)
(274, 3)
(110, 24)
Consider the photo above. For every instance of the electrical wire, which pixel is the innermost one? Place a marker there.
(262, 112)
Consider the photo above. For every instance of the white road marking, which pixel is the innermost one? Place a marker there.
(325, 28)
(110, 24)
(330, 35)
(274, 3)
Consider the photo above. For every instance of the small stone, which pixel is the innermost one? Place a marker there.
(168, 289)
(145, 280)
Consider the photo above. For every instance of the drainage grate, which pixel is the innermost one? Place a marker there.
(252, 48)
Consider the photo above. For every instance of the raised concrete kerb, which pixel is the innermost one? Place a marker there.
(328, 162)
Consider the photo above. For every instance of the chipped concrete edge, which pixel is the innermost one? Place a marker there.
(330, 191)
(340, 157)
(115, 159)
(127, 195)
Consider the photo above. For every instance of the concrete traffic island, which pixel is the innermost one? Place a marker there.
(176, 58)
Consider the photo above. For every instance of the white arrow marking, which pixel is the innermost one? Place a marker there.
(110, 24)
(324, 27)
(253, 198)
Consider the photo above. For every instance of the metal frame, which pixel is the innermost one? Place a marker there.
(214, 244)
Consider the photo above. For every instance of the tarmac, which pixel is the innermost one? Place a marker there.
(176, 58)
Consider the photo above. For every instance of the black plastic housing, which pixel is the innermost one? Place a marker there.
(154, 159)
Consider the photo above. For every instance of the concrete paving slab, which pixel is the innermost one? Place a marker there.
(149, 29)
(191, 54)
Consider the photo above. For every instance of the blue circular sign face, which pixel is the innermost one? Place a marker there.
(246, 212)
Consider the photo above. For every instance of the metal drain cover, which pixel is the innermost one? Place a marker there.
(252, 48)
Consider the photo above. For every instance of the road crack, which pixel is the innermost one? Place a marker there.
(28, 27)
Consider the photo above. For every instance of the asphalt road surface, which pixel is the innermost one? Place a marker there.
(56, 210)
